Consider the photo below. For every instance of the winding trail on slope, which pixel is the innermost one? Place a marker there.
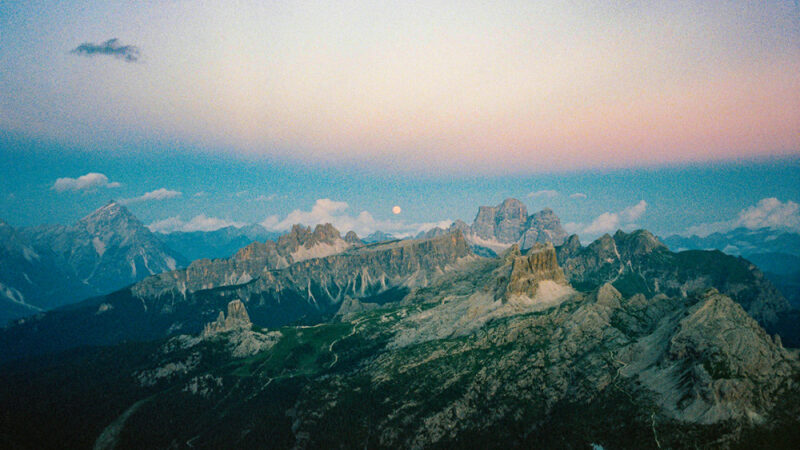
(330, 347)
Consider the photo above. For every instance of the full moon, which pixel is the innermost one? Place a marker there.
(396, 209)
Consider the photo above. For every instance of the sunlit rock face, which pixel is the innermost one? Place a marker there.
(237, 318)
(496, 228)
(275, 293)
(528, 271)
(503, 222)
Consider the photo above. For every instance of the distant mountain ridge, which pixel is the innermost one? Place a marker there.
(54, 265)
(306, 276)
(496, 228)
(221, 243)
(740, 241)
(107, 249)
(32, 280)
(775, 251)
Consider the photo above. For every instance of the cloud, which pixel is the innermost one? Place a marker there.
(610, 221)
(110, 47)
(546, 193)
(334, 212)
(158, 194)
(200, 222)
(633, 212)
(770, 213)
(88, 182)
(579, 195)
(604, 223)
(266, 198)
(767, 213)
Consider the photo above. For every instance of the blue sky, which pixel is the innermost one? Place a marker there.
(197, 114)
(249, 190)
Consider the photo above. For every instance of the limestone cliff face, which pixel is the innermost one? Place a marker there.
(237, 318)
(251, 262)
(309, 288)
(496, 228)
(528, 271)
(509, 223)
(542, 227)
(502, 222)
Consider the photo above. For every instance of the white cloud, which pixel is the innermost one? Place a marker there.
(158, 194)
(610, 221)
(770, 213)
(90, 181)
(546, 193)
(632, 213)
(199, 222)
(767, 213)
(333, 212)
(266, 198)
(579, 195)
(604, 223)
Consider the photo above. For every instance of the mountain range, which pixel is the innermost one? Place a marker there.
(220, 243)
(54, 265)
(317, 340)
(496, 228)
(776, 252)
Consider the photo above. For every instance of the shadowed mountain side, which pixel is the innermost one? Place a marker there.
(308, 291)
(637, 262)
(456, 364)
(221, 243)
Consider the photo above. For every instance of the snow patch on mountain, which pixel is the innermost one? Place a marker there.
(99, 246)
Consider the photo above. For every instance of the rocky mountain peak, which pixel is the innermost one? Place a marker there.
(237, 319)
(608, 295)
(496, 227)
(639, 242)
(300, 236)
(301, 243)
(352, 238)
(107, 249)
(256, 250)
(571, 244)
(530, 270)
(459, 225)
(543, 226)
(325, 233)
(512, 205)
(108, 215)
(379, 236)
(604, 247)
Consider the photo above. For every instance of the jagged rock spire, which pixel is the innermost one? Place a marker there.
(237, 318)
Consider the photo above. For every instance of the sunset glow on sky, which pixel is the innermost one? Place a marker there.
(430, 89)
(516, 86)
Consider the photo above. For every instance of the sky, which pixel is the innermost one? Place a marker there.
(675, 116)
